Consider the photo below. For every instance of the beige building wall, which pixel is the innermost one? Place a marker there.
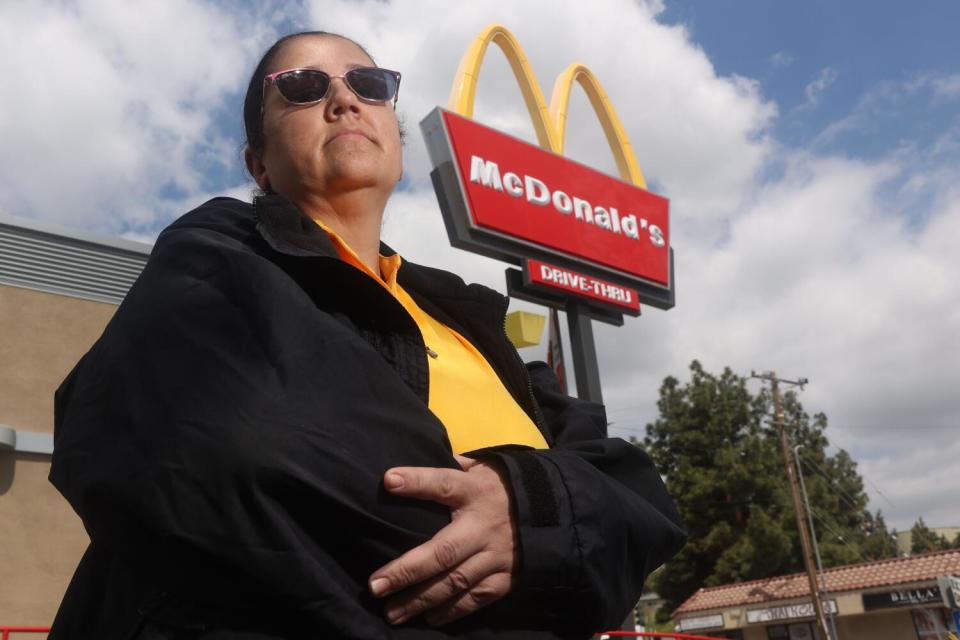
(891, 624)
(755, 633)
(42, 336)
(895, 624)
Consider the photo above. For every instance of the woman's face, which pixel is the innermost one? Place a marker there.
(337, 145)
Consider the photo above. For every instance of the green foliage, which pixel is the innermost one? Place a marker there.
(878, 541)
(724, 466)
(923, 540)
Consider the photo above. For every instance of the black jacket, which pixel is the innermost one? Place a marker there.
(225, 439)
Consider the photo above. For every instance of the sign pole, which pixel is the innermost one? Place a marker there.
(585, 368)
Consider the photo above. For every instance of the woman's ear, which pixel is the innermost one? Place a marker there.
(257, 169)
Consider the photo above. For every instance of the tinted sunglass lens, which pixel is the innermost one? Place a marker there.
(303, 86)
(373, 84)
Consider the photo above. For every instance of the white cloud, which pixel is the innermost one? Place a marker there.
(664, 88)
(781, 60)
(112, 103)
(813, 91)
(946, 87)
(839, 269)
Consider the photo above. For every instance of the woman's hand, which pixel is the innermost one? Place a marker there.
(468, 564)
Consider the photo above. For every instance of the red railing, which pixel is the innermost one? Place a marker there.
(6, 631)
(652, 634)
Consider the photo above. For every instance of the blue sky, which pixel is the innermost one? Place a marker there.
(810, 152)
(787, 45)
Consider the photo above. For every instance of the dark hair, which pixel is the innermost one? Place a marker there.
(252, 121)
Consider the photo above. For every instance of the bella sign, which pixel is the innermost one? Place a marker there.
(901, 598)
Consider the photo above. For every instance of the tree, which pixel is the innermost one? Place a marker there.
(723, 464)
(879, 542)
(923, 540)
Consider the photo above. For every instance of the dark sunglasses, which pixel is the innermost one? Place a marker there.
(307, 86)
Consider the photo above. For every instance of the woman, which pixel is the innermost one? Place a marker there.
(267, 441)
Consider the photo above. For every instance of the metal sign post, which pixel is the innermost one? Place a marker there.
(585, 367)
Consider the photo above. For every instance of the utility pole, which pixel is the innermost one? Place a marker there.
(813, 538)
(780, 422)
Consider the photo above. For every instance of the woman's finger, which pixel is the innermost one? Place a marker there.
(442, 588)
(485, 592)
(451, 546)
(449, 487)
(465, 462)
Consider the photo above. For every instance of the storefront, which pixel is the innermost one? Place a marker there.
(914, 598)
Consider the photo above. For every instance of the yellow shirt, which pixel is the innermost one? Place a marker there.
(465, 392)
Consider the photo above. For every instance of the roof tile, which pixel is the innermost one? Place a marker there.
(879, 573)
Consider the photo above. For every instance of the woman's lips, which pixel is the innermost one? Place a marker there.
(349, 132)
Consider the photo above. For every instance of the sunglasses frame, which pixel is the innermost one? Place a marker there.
(272, 79)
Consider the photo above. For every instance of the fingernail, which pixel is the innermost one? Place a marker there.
(395, 616)
(379, 586)
(393, 481)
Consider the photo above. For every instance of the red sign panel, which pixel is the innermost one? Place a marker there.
(547, 275)
(524, 192)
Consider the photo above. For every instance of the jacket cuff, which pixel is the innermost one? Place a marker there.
(551, 556)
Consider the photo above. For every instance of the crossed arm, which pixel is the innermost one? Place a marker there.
(576, 528)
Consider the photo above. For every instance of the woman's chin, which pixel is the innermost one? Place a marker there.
(357, 174)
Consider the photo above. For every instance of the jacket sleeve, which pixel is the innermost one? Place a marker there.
(594, 517)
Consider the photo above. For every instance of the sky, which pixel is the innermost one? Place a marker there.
(810, 152)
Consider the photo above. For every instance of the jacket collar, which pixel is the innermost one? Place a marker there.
(287, 230)
(291, 232)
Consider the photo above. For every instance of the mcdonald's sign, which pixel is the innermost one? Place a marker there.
(576, 231)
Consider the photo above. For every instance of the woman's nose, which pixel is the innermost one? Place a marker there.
(341, 98)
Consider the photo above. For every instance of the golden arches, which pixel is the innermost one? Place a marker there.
(550, 126)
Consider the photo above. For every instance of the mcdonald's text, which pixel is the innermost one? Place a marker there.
(487, 174)
(548, 275)
(522, 193)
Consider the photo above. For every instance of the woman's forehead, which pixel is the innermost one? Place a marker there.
(326, 52)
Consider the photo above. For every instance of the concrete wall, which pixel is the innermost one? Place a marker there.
(41, 540)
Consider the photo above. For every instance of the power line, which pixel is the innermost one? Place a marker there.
(631, 407)
(891, 427)
(637, 429)
(839, 535)
(867, 480)
(818, 470)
